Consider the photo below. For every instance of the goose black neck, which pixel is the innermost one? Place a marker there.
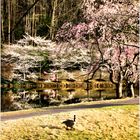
(74, 117)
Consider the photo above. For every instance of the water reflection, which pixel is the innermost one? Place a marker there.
(30, 95)
(6, 100)
(15, 99)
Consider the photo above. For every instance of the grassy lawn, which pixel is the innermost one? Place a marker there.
(108, 123)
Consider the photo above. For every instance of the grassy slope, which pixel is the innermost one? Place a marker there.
(109, 123)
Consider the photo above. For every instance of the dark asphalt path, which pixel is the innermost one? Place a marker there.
(46, 111)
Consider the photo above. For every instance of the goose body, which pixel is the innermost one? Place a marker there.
(70, 123)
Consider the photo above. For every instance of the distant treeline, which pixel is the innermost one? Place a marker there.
(36, 17)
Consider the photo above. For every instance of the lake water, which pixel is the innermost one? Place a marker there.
(46, 94)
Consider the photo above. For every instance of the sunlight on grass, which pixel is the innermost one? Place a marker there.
(108, 123)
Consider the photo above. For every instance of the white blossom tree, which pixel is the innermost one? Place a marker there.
(25, 57)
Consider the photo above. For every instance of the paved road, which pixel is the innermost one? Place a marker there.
(46, 111)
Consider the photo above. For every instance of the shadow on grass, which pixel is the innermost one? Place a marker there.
(56, 127)
(69, 129)
(50, 126)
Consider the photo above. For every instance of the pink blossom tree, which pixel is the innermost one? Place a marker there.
(122, 65)
(109, 32)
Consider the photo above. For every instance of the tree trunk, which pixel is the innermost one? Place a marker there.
(54, 20)
(4, 12)
(33, 21)
(9, 21)
(119, 90)
(2, 29)
(130, 90)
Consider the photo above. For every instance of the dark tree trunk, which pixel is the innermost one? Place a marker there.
(119, 93)
(130, 90)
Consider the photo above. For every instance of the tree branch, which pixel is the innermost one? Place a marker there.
(23, 16)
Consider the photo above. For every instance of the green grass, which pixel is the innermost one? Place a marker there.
(125, 107)
(107, 123)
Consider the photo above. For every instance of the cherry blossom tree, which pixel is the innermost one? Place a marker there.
(122, 64)
(109, 25)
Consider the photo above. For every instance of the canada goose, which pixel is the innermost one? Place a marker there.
(70, 123)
